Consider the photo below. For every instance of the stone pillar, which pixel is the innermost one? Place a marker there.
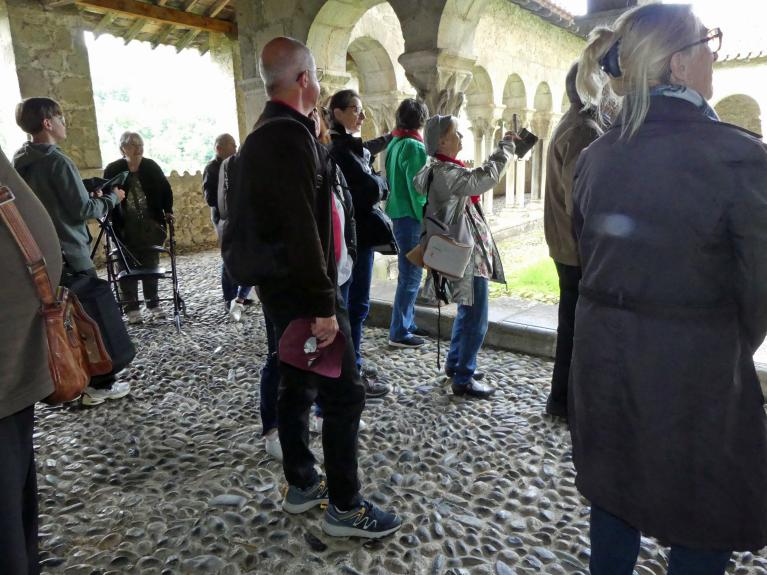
(535, 183)
(226, 54)
(52, 60)
(541, 125)
(519, 184)
(11, 137)
(440, 78)
(479, 128)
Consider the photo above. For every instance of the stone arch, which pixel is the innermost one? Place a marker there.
(480, 90)
(331, 29)
(742, 111)
(374, 66)
(514, 96)
(458, 24)
(543, 101)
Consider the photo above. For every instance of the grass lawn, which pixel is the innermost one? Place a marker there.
(530, 272)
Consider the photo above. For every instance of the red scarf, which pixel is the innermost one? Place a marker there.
(402, 133)
(444, 158)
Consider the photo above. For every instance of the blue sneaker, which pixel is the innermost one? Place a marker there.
(299, 500)
(367, 521)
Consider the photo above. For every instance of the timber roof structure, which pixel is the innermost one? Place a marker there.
(188, 23)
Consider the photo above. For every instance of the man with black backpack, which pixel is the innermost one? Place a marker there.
(280, 236)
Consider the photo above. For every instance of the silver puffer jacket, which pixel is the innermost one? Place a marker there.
(450, 190)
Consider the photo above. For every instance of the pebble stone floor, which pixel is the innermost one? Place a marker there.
(174, 478)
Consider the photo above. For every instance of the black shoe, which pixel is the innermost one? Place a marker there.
(419, 332)
(248, 301)
(478, 375)
(473, 389)
(369, 372)
(555, 408)
(375, 388)
(412, 341)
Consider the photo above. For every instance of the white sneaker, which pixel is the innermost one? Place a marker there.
(92, 396)
(134, 316)
(272, 445)
(236, 310)
(315, 424)
(156, 313)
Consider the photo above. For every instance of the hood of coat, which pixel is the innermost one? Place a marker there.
(31, 153)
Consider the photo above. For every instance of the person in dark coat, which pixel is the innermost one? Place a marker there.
(140, 221)
(576, 130)
(367, 189)
(24, 376)
(670, 212)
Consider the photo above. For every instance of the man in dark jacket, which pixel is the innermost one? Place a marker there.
(288, 199)
(235, 296)
(577, 129)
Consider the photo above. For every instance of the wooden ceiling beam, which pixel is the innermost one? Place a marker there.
(134, 30)
(162, 14)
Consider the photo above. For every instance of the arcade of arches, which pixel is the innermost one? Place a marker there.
(483, 60)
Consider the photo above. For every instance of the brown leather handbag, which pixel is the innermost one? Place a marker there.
(75, 348)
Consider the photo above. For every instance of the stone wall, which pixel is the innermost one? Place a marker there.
(52, 60)
(194, 230)
(740, 92)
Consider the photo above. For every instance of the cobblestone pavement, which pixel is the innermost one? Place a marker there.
(174, 478)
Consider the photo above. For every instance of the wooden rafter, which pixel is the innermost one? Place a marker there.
(162, 14)
(134, 30)
(103, 24)
(190, 36)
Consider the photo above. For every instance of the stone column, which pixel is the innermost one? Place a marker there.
(535, 184)
(440, 78)
(52, 60)
(11, 137)
(226, 54)
(479, 128)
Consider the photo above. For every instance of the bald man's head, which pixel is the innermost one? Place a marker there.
(282, 61)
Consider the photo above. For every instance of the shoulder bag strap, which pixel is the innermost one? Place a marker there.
(33, 257)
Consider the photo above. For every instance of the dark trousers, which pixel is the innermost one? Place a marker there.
(18, 495)
(129, 288)
(615, 547)
(357, 296)
(69, 278)
(270, 380)
(569, 279)
(342, 401)
(230, 288)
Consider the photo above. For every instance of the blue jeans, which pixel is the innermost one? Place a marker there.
(469, 329)
(407, 232)
(615, 546)
(230, 289)
(356, 293)
(270, 381)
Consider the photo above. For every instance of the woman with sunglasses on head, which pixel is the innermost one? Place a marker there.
(670, 210)
(367, 188)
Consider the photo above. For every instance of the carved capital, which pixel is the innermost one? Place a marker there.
(440, 78)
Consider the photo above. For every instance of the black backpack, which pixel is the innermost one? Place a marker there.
(249, 258)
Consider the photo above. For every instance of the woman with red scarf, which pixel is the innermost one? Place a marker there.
(449, 187)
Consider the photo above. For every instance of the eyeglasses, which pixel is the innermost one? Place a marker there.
(61, 119)
(319, 73)
(357, 110)
(713, 38)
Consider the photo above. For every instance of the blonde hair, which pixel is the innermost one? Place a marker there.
(648, 37)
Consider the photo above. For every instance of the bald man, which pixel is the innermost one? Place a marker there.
(280, 184)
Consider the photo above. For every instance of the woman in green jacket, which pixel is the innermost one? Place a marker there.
(405, 156)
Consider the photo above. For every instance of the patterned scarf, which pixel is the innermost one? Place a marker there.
(688, 94)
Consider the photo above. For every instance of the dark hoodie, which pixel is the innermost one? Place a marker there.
(55, 180)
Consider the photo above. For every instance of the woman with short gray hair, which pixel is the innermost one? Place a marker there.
(140, 220)
(670, 210)
(450, 189)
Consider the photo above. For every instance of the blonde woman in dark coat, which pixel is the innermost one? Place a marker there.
(670, 211)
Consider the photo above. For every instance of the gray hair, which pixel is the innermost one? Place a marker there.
(221, 139)
(648, 37)
(282, 60)
(128, 138)
(436, 127)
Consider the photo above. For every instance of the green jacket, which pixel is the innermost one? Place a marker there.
(404, 159)
(55, 180)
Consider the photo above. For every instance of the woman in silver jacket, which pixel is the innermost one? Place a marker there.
(451, 189)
